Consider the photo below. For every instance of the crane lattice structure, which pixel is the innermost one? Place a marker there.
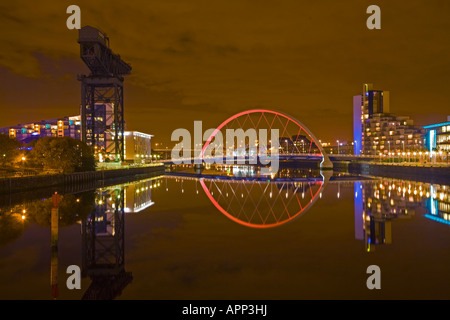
(102, 114)
(103, 247)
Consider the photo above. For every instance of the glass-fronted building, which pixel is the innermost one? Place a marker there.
(437, 137)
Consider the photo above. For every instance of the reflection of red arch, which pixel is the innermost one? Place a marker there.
(325, 160)
(253, 225)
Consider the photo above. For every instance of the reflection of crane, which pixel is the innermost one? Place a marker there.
(103, 248)
(103, 126)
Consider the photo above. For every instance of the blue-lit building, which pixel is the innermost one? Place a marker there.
(365, 105)
(437, 137)
(376, 131)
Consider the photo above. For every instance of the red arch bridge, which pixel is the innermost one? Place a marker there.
(294, 141)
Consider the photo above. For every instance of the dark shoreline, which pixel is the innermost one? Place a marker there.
(35, 186)
(434, 174)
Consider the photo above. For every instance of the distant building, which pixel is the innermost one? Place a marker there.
(437, 137)
(58, 127)
(376, 130)
(342, 148)
(100, 131)
(138, 146)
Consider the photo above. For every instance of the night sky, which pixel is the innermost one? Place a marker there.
(207, 60)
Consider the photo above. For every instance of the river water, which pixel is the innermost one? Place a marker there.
(230, 233)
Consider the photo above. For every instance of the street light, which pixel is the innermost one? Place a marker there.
(338, 145)
(389, 146)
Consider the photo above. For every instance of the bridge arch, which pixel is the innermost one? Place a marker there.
(325, 163)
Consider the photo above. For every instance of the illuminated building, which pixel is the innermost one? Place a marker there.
(138, 146)
(102, 138)
(437, 136)
(58, 127)
(377, 131)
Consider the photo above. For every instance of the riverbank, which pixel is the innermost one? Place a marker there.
(71, 182)
(431, 174)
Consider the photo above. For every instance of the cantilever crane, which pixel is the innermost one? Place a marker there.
(102, 117)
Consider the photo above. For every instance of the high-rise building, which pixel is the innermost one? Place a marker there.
(365, 105)
(377, 131)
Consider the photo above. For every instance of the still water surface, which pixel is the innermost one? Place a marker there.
(232, 235)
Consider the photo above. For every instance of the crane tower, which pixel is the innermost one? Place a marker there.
(102, 116)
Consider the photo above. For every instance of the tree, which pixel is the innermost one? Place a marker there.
(64, 154)
(11, 228)
(72, 208)
(9, 149)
